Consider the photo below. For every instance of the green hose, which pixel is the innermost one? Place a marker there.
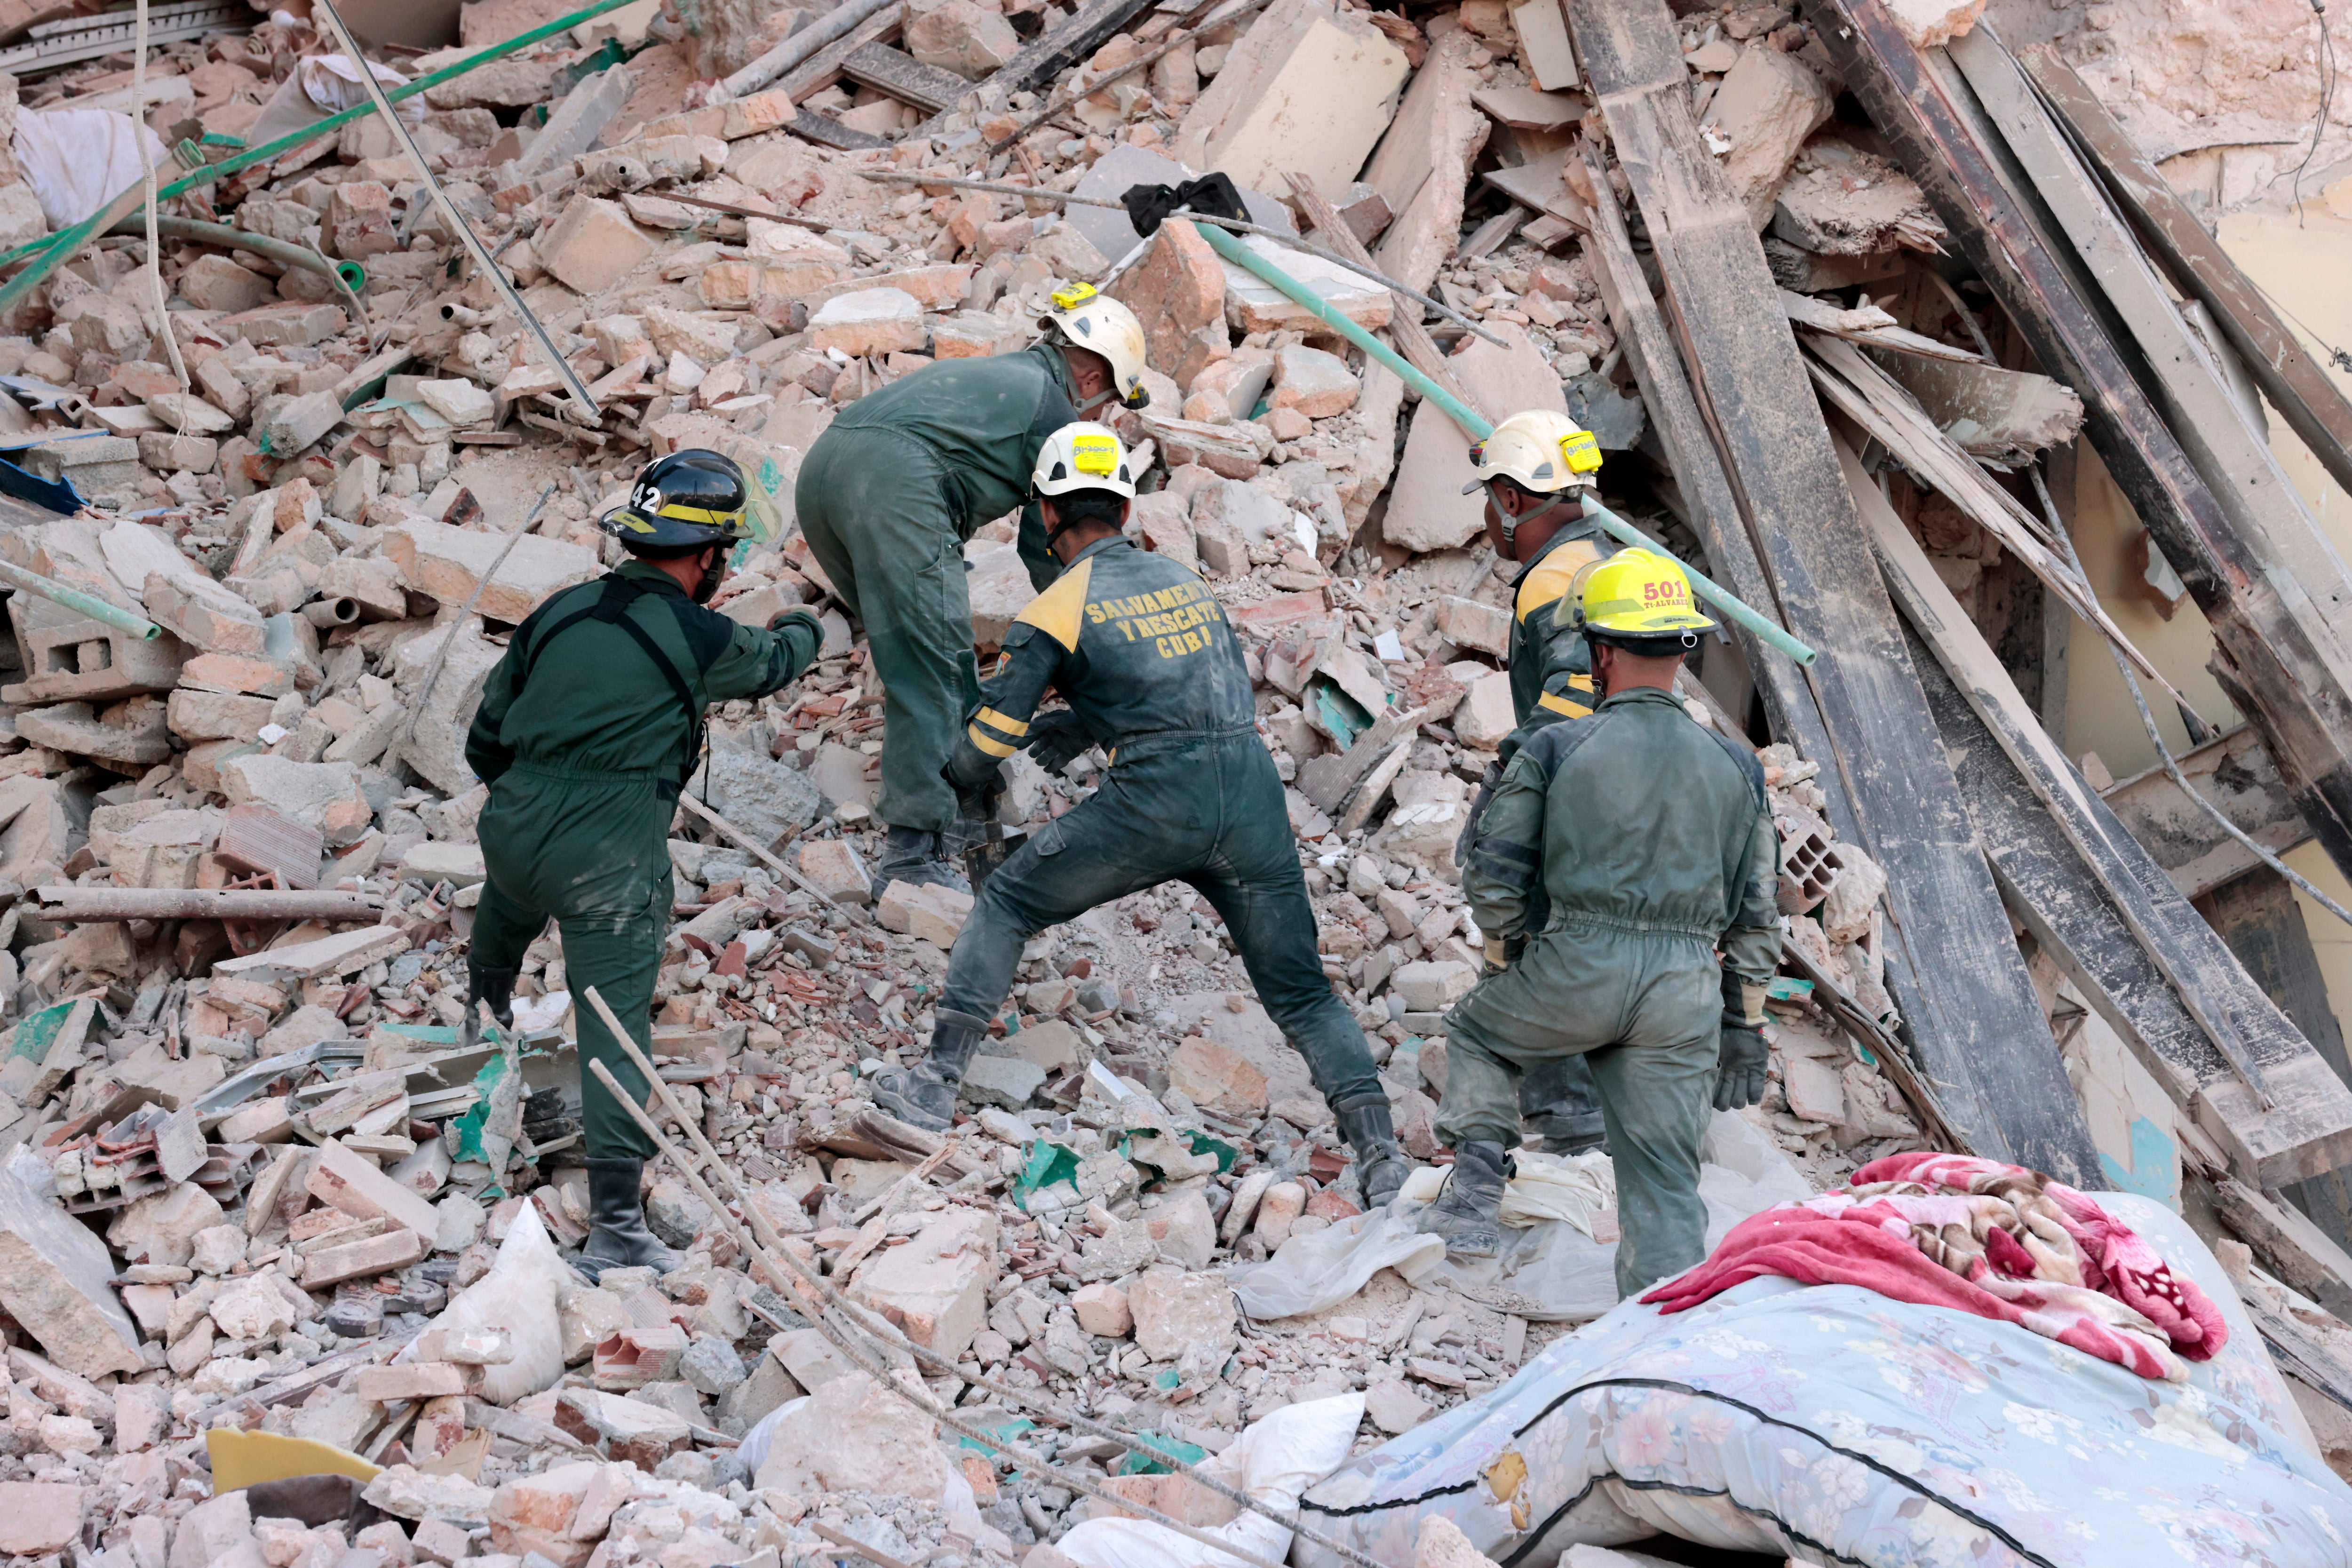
(1625, 533)
(81, 603)
(354, 275)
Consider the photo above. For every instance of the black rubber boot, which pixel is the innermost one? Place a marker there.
(617, 1236)
(912, 855)
(495, 986)
(1467, 1213)
(1380, 1164)
(925, 1094)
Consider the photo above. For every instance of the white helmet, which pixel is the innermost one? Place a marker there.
(1536, 450)
(1091, 320)
(1083, 456)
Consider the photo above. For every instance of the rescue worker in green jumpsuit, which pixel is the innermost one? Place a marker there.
(1533, 468)
(1139, 649)
(588, 727)
(886, 497)
(1653, 840)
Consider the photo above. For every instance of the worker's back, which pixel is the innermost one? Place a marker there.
(1146, 655)
(984, 419)
(1648, 818)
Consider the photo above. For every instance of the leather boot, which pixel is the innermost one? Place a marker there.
(913, 855)
(925, 1094)
(1380, 1164)
(617, 1236)
(1467, 1213)
(495, 986)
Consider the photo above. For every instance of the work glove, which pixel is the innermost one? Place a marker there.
(1055, 738)
(977, 803)
(1739, 1064)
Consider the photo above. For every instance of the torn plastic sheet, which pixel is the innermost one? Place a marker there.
(1554, 1270)
(77, 159)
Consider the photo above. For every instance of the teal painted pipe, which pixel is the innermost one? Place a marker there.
(1225, 245)
(80, 603)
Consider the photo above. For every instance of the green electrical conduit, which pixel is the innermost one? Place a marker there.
(353, 276)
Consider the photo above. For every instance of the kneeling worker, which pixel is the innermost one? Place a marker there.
(1652, 837)
(1140, 650)
(888, 496)
(587, 729)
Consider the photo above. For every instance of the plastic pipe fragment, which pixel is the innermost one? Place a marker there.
(1461, 413)
(80, 603)
(353, 276)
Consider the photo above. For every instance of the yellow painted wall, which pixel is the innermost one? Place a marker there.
(2306, 270)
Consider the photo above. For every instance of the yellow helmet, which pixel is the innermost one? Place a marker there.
(1083, 456)
(1536, 450)
(1639, 595)
(1087, 319)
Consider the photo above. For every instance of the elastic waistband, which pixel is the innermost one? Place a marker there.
(1591, 919)
(664, 784)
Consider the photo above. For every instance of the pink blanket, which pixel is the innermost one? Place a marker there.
(1947, 1230)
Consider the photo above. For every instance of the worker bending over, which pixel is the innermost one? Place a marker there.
(1140, 650)
(588, 727)
(1535, 469)
(888, 496)
(1651, 839)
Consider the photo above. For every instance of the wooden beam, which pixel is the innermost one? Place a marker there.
(2234, 773)
(1047, 55)
(2144, 958)
(822, 68)
(2272, 665)
(1980, 1032)
(2289, 1245)
(904, 77)
(2297, 386)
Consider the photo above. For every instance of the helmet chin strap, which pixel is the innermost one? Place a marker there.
(1511, 524)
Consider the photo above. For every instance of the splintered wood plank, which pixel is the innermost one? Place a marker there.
(2273, 665)
(2173, 991)
(2297, 386)
(822, 68)
(904, 77)
(1964, 992)
(2234, 773)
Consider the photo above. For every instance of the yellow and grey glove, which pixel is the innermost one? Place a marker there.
(1742, 1056)
(1498, 957)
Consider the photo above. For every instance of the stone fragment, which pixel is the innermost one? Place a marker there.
(461, 402)
(450, 563)
(1428, 987)
(405, 1492)
(1176, 1311)
(1102, 1309)
(292, 323)
(833, 865)
(936, 1287)
(54, 1282)
(1485, 714)
(592, 245)
(1183, 1229)
(1766, 107)
(1316, 384)
(996, 584)
(162, 1229)
(252, 1308)
(535, 1513)
(1305, 89)
(217, 283)
(206, 1531)
(1422, 167)
(633, 1430)
(854, 1435)
(1217, 1079)
(1813, 1088)
(363, 1259)
(342, 1180)
(1932, 24)
(963, 36)
(1442, 1544)
(1278, 1212)
(360, 221)
(1007, 1081)
(869, 322)
(1394, 1406)
(417, 1380)
(925, 912)
(1176, 290)
(1474, 624)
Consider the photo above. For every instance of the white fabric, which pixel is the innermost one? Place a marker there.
(77, 159)
(517, 1295)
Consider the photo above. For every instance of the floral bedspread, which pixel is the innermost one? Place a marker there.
(1838, 1426)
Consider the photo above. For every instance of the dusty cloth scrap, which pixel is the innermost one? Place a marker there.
(2000, 1241)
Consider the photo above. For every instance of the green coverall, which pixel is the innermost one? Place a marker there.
(1653, 840)
(585, 738)
(1552, 680)
(1139, 649)
(886, 497)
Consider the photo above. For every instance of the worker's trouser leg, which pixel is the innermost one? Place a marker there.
(1642, 1010)
(1559, 1104)
(591, 854)
(1212, 817)
(874, 512)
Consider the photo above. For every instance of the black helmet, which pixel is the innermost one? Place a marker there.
(684, 502)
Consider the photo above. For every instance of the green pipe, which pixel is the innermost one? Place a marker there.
(81, 603)
(47, 253)
(353, 276)
(1461, 413)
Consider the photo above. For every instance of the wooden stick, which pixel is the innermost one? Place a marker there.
(813, 1286)
(1062, 99)
(92, 906)
(744, 840)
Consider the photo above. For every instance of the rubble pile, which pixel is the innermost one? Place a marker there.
(255, 1172)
